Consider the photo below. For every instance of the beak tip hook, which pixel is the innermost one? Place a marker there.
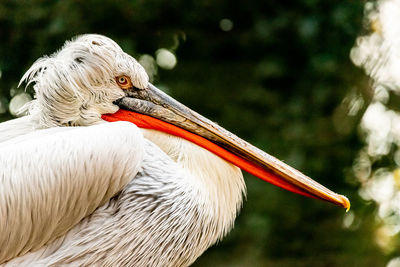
(345, 202)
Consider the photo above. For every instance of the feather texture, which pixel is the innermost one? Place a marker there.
(107, 194)
(167, 215)
(51, 179)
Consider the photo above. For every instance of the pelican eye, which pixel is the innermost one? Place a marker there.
(124, 82)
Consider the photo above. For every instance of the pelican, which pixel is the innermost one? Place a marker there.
(107, 170)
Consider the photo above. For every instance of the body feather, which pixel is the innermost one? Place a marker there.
(106, 194)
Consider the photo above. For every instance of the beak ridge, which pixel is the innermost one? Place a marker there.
(152, 108)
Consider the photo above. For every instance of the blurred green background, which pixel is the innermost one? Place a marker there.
(276, 73)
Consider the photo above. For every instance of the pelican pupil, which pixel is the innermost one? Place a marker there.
(122, 80)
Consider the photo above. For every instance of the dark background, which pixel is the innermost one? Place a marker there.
(279, 79)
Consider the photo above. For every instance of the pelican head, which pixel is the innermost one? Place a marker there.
(92, 80)
(82, 81)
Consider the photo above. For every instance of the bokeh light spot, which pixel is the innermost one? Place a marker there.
(17, 102)
(149, 64)
(165, 59)
(226, 25)
(395, 262)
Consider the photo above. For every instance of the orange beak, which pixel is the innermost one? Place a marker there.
(152, 109)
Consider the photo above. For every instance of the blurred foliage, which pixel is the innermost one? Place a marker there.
(276, 73)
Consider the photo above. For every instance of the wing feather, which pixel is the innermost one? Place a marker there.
(51, 179)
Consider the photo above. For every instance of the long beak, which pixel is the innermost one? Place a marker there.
(152, 108)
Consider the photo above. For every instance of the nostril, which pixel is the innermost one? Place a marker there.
(117, 102)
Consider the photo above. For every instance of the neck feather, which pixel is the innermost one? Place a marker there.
(219, 183)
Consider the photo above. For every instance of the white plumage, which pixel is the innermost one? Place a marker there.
(101, 193)
(60, 193)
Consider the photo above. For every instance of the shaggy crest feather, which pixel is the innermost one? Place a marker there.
(75, 85)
